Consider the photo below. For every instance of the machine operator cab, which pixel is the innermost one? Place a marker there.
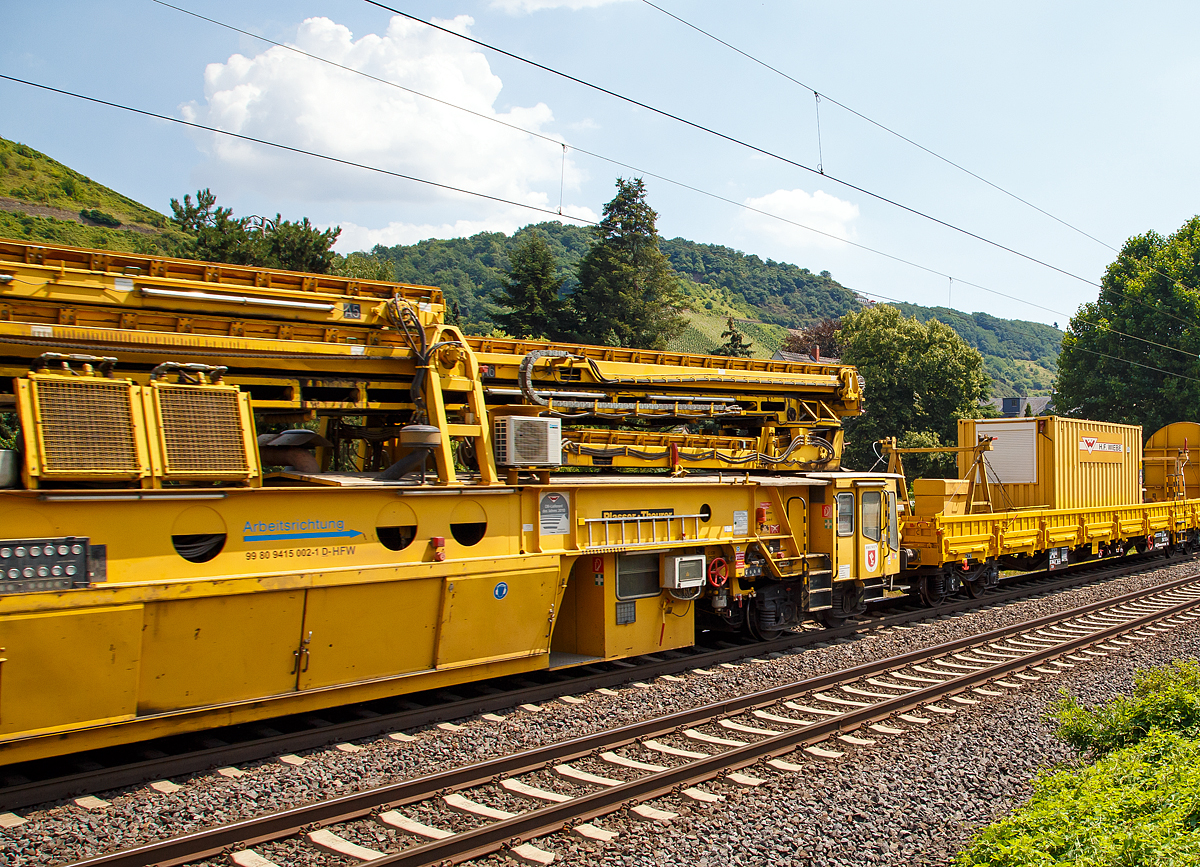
(855, 518)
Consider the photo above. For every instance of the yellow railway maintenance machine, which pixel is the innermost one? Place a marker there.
(239, 493)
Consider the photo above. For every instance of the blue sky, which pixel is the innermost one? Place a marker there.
(1085, 110)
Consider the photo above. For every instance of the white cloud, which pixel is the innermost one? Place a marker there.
(284, 97)
(519, 7)
(355, 237)
(819, 211)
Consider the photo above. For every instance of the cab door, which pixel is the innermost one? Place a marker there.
(878, 537)
(872, 546)
(846, 547)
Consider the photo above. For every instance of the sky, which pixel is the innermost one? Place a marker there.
(1084, 111)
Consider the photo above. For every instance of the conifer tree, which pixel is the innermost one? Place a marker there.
(531, 291)
(628, 292)
(735, 345)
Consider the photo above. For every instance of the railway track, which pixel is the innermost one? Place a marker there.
(570, 784)
(42, 782)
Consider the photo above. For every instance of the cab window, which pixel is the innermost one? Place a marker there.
(845, 509)
(872, 515)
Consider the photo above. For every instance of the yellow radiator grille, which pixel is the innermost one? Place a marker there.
(202, 431)
(87, 427)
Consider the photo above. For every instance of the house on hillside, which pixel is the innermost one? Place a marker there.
(1013, 407)
(805, 357)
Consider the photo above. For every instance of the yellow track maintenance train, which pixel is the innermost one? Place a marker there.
(240, 493)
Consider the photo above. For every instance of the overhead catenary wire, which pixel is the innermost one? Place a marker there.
(736, 141)
(640, 171)
(1135, 363)
(415, 179)
(1096, 325)
(876, 123)
(291, 149)
(819, 96)
(763, 151)
(364, 166)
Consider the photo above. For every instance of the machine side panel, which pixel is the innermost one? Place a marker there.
(497, 615)
(67, 667)
(213, 650)
(367, 631)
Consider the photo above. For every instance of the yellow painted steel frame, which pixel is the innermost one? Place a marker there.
(942, 539)
(322, 596)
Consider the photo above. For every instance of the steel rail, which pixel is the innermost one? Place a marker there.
(202, 844)
(526, 826)
(55, 787)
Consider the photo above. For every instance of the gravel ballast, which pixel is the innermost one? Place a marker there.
(912, 798)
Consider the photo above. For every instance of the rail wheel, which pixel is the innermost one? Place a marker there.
(848, 601)
(755, 628)
(934, 588)
(757, 632)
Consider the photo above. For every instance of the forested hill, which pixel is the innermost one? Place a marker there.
(764, 296)
(718, 280)
(1021, 356)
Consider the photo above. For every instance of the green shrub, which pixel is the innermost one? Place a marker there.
(100, 218)
(1136, 807)
(1165, 698)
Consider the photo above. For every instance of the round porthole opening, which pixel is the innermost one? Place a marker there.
(396, 538)
(198, 547)
(470, 533)
(468, 523)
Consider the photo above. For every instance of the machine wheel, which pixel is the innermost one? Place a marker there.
(760, 634)
(757, 632)
(849, 601)
(934, 588)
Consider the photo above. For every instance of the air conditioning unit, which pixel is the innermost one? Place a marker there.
(522, 441)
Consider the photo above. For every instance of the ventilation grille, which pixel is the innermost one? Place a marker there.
(87, 427)
(526, 442)
(529, 442)
(202, 432)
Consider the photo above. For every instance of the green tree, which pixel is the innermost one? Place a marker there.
(297, 246)
(363, 266)
(823, 334)
(1149, 291)
(628, 293)
(736, 345)
(220, 237)
(531, 291)
(921, 378)
(9, 430)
